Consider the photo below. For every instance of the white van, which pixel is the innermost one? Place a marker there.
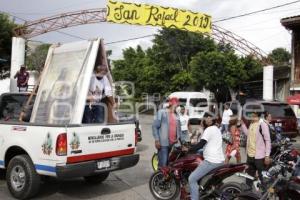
(195, 102)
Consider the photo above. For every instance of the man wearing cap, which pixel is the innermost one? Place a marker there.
(22, 79)
(166, 131)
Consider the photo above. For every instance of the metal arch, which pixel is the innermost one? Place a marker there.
(56, 22)
(65, 20)
(239, 44)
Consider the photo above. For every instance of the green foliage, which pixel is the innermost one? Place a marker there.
(180, 60)
(165, 66)
(279, 57)
(36, 60)
(220, 71)
(6, 34)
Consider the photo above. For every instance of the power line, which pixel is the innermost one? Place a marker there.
(257, 11)
(71, 35)
(126, 40)
(225, 19)
(136, 38)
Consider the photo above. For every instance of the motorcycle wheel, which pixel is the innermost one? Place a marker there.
(154, 162)
(231, 190)
(163, 189)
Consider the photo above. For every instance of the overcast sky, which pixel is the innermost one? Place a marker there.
(263, 29)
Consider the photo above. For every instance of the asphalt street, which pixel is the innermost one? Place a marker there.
(128, 184)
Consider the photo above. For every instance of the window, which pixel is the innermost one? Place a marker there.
(11, 107)
(182, 101)
(198, 102)
(279, 110)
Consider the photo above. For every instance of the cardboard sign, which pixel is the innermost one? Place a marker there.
(143, 14)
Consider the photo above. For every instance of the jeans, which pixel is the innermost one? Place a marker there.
(163, 155)
(184, 137)
(224, 128)
(95, 114)
(204, 168)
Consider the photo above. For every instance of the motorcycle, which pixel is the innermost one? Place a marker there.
(174, 154)
(282, 185)
(283, 155)
(170, 181)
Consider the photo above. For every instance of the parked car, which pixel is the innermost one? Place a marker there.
(196, 103)
(282, 115)
(125, 117)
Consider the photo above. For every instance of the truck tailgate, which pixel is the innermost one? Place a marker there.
(95, 142)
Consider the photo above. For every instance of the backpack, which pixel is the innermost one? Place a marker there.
(243, 137)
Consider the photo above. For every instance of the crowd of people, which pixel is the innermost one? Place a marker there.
(171, 127)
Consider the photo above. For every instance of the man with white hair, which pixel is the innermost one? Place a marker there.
(99, 89)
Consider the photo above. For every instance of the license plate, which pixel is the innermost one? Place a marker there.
(103, 164)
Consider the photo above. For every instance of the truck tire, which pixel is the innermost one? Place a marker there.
(22, 179)
(96, 179)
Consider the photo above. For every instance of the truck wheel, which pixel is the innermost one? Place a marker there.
(22, 180)
(96, 179)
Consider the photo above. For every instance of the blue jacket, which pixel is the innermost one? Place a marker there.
(160, 127)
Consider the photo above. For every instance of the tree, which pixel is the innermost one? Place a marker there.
(222, 70)
(280, 57)
(170, 56)
(36, 60)
(165, 66)
(6, 34)
(131, 67)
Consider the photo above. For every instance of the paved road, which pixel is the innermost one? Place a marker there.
(129, 184)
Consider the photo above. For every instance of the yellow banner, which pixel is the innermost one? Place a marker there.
(143, 14)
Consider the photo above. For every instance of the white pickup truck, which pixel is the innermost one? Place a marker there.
(31, 150)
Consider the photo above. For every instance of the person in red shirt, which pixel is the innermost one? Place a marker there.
(22, 79)
(166, 130)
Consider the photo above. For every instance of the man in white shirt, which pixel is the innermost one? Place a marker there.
(98, 90)
(226, 118)
(184, 120)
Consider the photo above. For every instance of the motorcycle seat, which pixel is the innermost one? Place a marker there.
(226, 166)
(202, 182)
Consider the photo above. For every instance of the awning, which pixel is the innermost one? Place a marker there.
(294, 100)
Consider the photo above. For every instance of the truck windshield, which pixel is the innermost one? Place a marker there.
(198, 102)
(182, 101)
